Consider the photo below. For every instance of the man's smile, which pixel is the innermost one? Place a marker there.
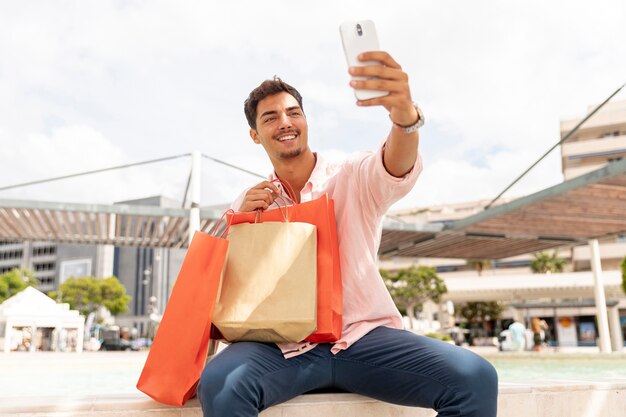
(286, 136)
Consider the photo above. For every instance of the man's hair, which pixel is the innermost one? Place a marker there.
(267, 88)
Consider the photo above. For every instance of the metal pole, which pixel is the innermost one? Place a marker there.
(194, 212)
(601, 311)
(563, 139)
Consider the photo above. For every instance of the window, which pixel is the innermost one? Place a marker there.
(11, 254)
(610, 134)
(44, 251)
(4, 269)
(46, 281)
(75, 268)
(46, 266)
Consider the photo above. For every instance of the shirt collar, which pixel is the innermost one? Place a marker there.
(318, 175)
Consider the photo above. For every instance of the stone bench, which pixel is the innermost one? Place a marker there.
(538, 399)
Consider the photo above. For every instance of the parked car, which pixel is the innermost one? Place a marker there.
(118, 344)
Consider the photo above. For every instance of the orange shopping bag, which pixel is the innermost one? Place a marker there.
(321, 213)
(177, 356)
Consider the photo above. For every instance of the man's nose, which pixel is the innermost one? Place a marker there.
(284, 121)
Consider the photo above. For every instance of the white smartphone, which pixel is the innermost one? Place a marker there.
(358, 37)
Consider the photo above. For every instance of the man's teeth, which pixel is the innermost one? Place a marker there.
(288, 137)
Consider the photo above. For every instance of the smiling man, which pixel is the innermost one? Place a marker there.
(374, 356)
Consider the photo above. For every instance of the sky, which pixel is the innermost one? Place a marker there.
(92, 84)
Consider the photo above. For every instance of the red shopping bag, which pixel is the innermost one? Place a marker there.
(321, 213)
(177, 355)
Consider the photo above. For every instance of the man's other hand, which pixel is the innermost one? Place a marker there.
(261, 196)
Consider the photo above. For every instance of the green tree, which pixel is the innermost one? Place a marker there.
(544, 262)
(479, 265)
(480, 312)
(411, 287)
(87, 294)
(624, 274)
(14, 281)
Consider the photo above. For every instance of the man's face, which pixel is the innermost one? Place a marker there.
(281, 127)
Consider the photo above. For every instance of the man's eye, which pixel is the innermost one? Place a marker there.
(295, 113)
(269, 119)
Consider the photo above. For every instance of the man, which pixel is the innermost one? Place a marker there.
(518, 336)
(535, 326)
(374, 356)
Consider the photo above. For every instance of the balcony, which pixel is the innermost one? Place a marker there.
(595, 147)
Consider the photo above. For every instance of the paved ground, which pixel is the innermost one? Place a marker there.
(111, 373)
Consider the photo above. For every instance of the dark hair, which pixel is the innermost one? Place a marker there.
(267, 88)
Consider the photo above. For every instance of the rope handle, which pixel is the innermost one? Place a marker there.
(258, 217)
(215, 228)
(290, 193)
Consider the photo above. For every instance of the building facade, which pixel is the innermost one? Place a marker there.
(600, 141)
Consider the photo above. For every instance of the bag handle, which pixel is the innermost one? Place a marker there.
(258, 216)
(229, 220)
(290, 193)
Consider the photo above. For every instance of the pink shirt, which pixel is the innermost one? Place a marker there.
(363, 191)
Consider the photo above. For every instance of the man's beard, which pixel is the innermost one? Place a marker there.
(291, 154)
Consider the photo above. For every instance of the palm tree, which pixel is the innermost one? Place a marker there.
(544, 263)
(479, 265)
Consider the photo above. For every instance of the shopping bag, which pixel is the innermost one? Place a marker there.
(321, 213)
(179, 350)
(269, 289)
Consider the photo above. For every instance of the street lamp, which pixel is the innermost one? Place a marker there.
(146, 276)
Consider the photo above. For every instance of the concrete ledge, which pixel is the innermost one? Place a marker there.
(541, 399)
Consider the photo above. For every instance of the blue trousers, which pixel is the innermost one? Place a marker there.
(391, 365)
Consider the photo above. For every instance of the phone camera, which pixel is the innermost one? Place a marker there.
(359, 30)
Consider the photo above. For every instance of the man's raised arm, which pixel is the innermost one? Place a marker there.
(401, 146)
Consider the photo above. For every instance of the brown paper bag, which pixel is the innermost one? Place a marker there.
(269, 289)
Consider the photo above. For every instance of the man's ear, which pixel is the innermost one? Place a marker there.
(253, 135)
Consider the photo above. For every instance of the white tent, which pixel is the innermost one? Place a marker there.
(30, 320)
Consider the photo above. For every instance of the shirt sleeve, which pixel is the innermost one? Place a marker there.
(380, 187)
(239, 200)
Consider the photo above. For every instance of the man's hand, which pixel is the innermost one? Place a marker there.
(261, 196)
(391, 78)
(400, 151)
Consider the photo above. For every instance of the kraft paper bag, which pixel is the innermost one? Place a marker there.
(321, 213)
(269, 288)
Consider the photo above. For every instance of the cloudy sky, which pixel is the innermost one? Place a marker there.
(92, 84)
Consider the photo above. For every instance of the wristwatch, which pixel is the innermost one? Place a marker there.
(419, 123)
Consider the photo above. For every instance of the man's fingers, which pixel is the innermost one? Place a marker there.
(266, 184)
(263, 195)
(380, 56)
(379, 71)
(253, 205)
(379, 84)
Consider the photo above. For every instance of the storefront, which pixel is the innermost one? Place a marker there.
(565, 301)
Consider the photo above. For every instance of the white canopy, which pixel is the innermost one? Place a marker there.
(33, 309)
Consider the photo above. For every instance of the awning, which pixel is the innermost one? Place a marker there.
(587, 207)
(118, 225)
(590, 206)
